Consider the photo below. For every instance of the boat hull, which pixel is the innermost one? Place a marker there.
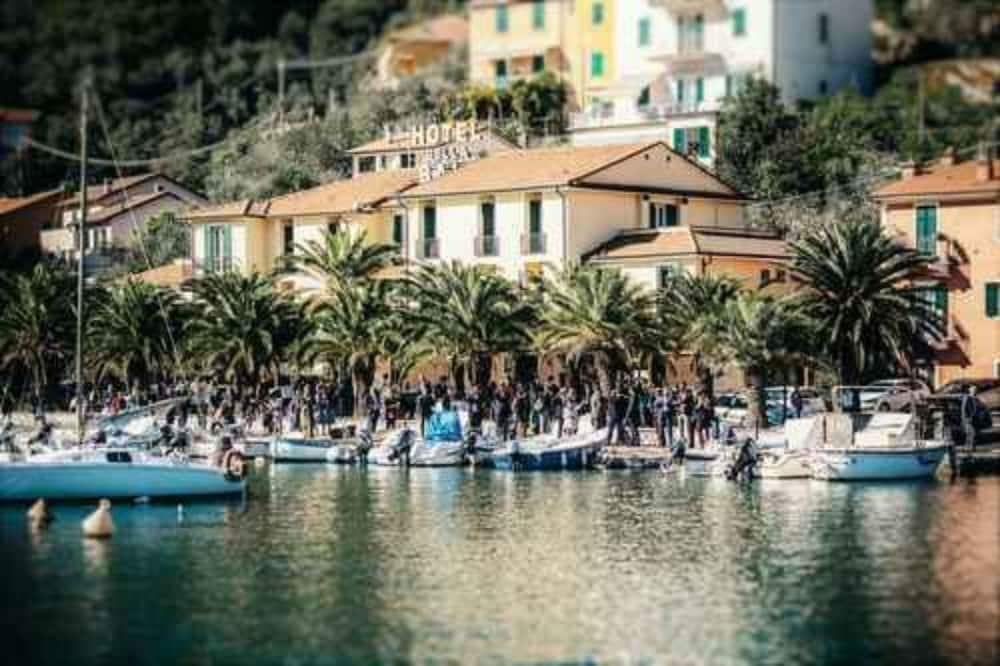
(571, 455)
(854, 464)
(702, 463)
(792, 465)
(287, 449)
(89, 480)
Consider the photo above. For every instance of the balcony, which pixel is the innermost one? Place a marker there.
(710, 9)
(533, 243)
(953, 335)
(601, 117)
(487, 246)
(947, 257)
(428, 248)
(217, 265)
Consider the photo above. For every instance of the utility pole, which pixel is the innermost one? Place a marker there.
(281, 91)
(81, 253)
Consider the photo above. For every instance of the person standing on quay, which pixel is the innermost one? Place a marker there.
(688, 411)
(660, 416)
(502, 412)
(373, 407)
(556, 403)
(617, 408)
(425, 406)
(522, 411)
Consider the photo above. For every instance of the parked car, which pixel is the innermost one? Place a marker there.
(950, 404)
(733, 408)
(893, 395)
(987, 391)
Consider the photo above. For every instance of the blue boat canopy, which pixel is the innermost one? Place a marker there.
(444, 426)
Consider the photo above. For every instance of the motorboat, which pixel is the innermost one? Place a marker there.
(879, 446)
(116, 473)
(442, 446)
(547, 453)
(296, 447)
(789, 457)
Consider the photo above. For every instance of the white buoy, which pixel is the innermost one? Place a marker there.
(39, 514)
(98, 525)
(259, 461)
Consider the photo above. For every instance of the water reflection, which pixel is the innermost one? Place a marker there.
(382, 565)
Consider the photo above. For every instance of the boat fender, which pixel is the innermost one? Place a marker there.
(39, 514)
(234, 465)
(98, 525)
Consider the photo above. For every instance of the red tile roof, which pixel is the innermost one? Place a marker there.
(953, 179)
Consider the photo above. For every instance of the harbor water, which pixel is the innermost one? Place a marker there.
(325, 565)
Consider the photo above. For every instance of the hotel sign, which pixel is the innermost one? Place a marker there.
(443, 146)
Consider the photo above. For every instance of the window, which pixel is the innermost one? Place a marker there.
(679, 90)
(538, 15)
(927, 230)
(690, 34)
(704, 142)
(218, 248)
(407, 161)
(596, 64)
(645, 32)
(667, 272)
(535, 216)
(333, 227)
(699, 90)
(430, 222)
(824, 28)
(739, 22)
(487, 217)
(644, 97)
(288, 237)
(366, 164)
(689, 140)
(936, 299)
(680, 140)
(538, 64)
(597, 13)
(383, 162)
(502, 18)
(662, 215)
(398, 226)
(500, 73)
(993, 300)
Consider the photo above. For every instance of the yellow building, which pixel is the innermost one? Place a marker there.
(592, 50)
(512, 39)
(951, 212)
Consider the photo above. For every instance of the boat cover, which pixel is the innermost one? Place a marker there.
(444, 426)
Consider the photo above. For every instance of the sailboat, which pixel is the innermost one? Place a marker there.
(93, 472)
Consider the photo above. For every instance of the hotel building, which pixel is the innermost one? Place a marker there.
(951, 212)
(640, 207)
(677, 60)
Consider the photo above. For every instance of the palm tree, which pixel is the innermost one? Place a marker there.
(685, 299)
(596, 311)
(343, 258)
(470, 312)
(756, 333)
(133, 331)
(244, 327)
(37, 323)
(857, 286)
(351, 327)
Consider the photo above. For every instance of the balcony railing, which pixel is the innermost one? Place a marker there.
(611, 117)
(487, 246)
(533, 244)
(218, 265)
(428, 248)
(953, 334)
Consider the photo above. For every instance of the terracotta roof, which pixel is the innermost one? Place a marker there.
(344, 196)
(97, 192)
(402, 142)
(13, 204)
(172, 275)
(450, 28)
(109, 212)
(955, 179)
(527, 169)
(226, 210)
(690, 240)
(18, 116)
(340, 196)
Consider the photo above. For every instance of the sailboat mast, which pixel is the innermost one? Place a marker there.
(80, 413)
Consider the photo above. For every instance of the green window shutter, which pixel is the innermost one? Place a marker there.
(597, 13)
(502, 19)
(993, 299)
(671, 212)
(644, 97)
(397, 229)
(430, 222)
(538, 15)
(927, 230)
(680, 90)
(680, 140)
(704, 142)
(489, 225)
(535, 216)
(699, 90)
(645, 32)
(596, 64)
(209, 250)
(739, 22)
(941, 302)
(227, 245)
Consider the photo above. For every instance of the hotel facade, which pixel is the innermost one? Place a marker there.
(950, 211)
(642, 208)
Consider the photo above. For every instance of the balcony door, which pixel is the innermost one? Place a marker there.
(218, 248)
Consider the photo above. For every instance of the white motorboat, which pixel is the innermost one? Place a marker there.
(115, 473)
(296, 447)
(548, 452)
(442, 446)
(879, 446)
(255, 446)
(789, 457)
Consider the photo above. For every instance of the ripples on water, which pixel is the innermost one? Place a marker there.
(336, 565)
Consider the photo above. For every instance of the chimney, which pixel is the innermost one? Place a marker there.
(909, 169)
(984, 165)
(947, 158)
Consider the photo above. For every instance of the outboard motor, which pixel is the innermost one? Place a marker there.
(746, 459)
(401, 449)
(365, 443)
